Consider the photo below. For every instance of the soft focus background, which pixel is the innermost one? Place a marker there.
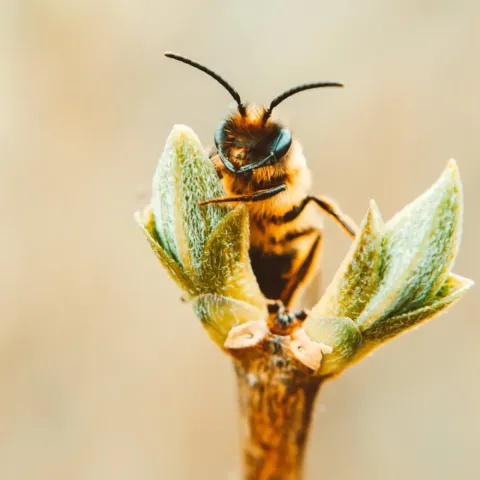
(104, 374)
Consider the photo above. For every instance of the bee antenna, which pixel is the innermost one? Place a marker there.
(211, 73)
(292, 91)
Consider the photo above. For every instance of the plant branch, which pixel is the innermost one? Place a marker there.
(276, 398)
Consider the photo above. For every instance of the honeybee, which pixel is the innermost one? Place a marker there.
(260, 163)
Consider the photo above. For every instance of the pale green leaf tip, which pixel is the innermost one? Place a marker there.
(465, 283)
(374, 213)
(373, 206)
(180, 131)
(451, 173)
(138, 217)
(181, 135)
(373, 217)
(452, 167)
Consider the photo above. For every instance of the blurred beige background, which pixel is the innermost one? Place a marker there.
(104, 374)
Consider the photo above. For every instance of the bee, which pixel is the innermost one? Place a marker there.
(261, 164)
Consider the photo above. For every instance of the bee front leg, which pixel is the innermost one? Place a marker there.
(254, 197)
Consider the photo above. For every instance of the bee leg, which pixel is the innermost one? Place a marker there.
(299, 277)
(332, 209)
(329, 207)
(255, 197)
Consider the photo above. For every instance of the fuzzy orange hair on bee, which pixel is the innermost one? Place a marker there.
(260, 163)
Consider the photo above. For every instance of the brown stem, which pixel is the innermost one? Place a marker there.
(276, 400)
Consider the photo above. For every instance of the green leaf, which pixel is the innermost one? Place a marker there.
(339, 333)
(419, 246)
(226, 268)
(358, 277)
(219, 314)
(387, 328)
(174, 269)
(184, 177)
(204, 249)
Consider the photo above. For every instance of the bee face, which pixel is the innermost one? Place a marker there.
(248, 140)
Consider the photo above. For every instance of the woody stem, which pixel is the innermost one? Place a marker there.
(276, 402)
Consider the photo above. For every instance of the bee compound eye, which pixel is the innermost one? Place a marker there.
(282, 143)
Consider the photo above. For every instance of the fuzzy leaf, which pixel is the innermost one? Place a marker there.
(341, 334)
(226, 268)
(185, 176)
(219, 314)
(419, 246)
(358, 277)
(174, 269)
(204, 249)
(385, 329)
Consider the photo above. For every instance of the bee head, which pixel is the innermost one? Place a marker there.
(248, 139)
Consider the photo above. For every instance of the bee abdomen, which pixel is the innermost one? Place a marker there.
(272, 270)
(280, 273)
